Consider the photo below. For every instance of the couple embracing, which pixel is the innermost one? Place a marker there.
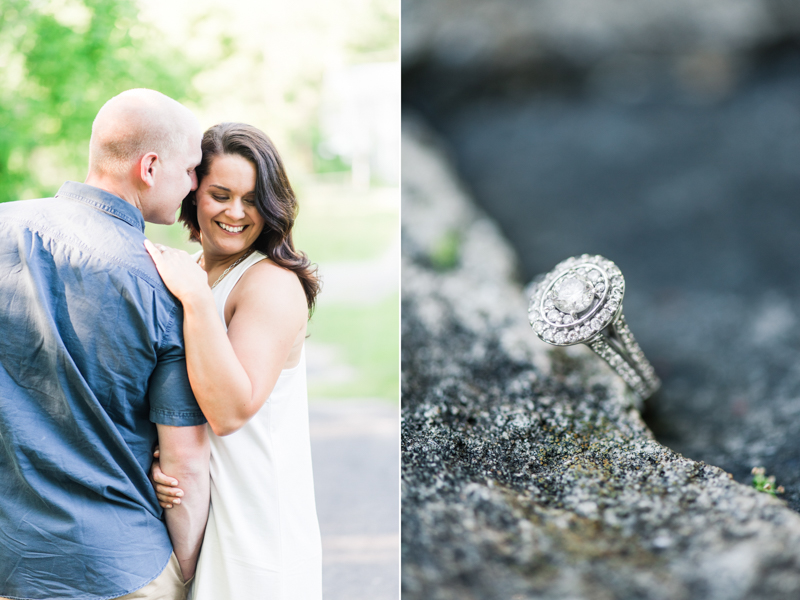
(111, 347)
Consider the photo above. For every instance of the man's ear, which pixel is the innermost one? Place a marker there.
(147, 168)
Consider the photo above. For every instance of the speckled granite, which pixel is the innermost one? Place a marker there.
(527, 472)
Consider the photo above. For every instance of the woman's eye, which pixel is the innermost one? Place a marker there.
(250, 201)
(218, 198)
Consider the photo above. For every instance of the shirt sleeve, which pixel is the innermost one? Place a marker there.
(172, 401)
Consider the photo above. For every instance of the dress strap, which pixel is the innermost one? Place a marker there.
(226, 285)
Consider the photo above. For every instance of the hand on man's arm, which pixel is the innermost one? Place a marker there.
(184, 455)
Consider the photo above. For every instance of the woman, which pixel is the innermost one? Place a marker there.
(246, 302)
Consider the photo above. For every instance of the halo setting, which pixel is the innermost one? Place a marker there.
(580, 302)
(576, 300)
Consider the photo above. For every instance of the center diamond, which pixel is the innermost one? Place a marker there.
(573, 294)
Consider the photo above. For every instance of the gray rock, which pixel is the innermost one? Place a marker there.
(508, 32)
(698, 206)
(527, 472)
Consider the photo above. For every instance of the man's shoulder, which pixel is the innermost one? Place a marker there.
(25, 207)
(15, 204)
(89, 239)
(37, 216)
(43, 213)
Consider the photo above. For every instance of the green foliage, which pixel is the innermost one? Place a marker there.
(378, 36)
(765, 484)
(60, 60)
(322, 161)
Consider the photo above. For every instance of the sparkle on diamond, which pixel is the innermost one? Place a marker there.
(573, 294)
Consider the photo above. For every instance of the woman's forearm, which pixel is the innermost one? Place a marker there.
(220, 382)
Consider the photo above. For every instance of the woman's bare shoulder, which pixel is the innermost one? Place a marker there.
(266, 279)
(267, 271)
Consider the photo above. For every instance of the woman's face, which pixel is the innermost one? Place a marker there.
(226, 209)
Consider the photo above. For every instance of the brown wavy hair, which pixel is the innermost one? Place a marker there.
(275, 199)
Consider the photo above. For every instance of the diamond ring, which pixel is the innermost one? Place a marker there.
(580, 302)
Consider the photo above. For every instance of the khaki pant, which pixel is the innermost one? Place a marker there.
(167, 586)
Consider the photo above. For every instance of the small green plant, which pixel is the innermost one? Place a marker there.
(765, 484)
(445, 254)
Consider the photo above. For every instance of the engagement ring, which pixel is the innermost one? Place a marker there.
(580, 302)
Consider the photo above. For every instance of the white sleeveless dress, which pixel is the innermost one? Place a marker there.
(262, 541)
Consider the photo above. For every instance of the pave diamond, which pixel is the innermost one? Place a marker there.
(554, 316)
(573, 294)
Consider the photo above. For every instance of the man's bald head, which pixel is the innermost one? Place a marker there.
(133, 124)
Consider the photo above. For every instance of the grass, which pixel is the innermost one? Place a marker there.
(369, 340)
(338, 224)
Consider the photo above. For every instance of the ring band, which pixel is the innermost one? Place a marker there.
(580, 302)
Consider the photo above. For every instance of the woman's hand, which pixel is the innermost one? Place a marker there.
(166, 487)
(181, 274)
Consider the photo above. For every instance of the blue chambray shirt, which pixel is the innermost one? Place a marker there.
(91, 356)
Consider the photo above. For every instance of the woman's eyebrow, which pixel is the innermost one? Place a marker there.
(222, 187)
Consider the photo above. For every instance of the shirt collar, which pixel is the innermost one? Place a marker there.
(103, 200)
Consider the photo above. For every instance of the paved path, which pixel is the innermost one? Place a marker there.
(356, 453)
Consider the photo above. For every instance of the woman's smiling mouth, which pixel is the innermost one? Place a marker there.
(231, 228)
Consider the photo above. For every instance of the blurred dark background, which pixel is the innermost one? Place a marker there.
(665, 137)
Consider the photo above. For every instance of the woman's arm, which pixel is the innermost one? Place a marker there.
(233, 373)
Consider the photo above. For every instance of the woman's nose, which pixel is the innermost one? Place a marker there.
(236, 209)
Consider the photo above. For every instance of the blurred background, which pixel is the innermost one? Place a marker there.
(666, 137)
(322, 79)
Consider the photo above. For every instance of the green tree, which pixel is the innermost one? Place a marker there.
(60, 60)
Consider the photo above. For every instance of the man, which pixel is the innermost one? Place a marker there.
(91, 356)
